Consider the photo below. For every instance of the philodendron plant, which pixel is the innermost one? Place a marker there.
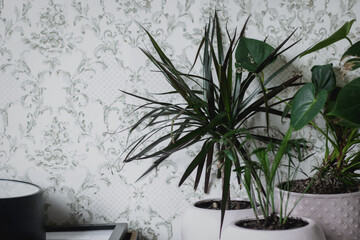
(305, 105)
(340, 108)
(213, 112)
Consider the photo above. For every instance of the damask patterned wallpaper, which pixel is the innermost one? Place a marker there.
(62, 65)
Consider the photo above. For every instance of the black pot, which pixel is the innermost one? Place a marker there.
(21, 211)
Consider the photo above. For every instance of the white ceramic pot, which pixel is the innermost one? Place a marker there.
(204, 224)
(337, 214)
(309, 232)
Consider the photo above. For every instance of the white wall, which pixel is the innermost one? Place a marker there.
(62, 65)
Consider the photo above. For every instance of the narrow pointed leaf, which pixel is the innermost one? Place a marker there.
(209, 160)
(195, 134)
(200, 168)
(197, 53)
(219, 39)
(198, 160)
(162, 55)
(336, 36)
(268, 80)
(258, 103)
(242, 33)
(287, 108)
(154, 165)
(279, 154)
(164, 156)
(225, 189)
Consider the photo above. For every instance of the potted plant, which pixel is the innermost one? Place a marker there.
(267, 225)
(332, 194)
(213, 113)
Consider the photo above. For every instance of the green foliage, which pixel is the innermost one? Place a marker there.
(347, 106)
(352, 63)
(311, 98)
(266, 165)
(335, 37)
(323, 78)
(306, 105)
(340, 109)
(250, 53)
(213, 114)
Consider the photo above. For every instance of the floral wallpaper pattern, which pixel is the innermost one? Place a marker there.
(62, 64)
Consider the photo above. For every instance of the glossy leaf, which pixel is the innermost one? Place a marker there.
(353, 51)
(219, 39)
(209, 161)
(352, 63)
(250, 53)
(226, 189)
(323, 78)
(337, 36)
(306, 105)
(347, 104)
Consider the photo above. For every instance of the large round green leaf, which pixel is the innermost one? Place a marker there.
(323, 78)
(347, 104)
(306, 105)
(250, 53)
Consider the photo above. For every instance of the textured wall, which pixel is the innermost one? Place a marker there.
(62, 64)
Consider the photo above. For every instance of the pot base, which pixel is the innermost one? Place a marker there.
(309, 232)
(199, 223)
(337, 214)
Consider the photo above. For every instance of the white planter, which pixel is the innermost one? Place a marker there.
(204, 224)
(337, 214)
(309, 232)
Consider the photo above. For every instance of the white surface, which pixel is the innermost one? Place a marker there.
(12, 189)
(204, 224)
(80, 235)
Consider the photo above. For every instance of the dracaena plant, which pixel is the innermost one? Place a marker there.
(340, 108)
(212, 114)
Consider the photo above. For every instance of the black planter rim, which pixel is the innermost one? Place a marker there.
(39, 192)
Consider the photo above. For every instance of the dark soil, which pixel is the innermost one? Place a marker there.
(216, 205)
(323, 186)
(272, 223)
